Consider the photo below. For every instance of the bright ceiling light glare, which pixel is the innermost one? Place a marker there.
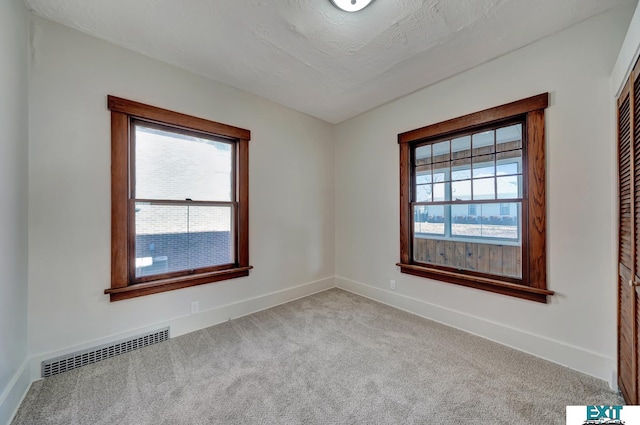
(351, 5)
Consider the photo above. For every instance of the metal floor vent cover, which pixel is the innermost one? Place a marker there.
(102, 352)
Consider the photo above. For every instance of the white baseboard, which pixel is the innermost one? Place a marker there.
(13, 395)
(576, 358)
(226, 312)
(193, 322)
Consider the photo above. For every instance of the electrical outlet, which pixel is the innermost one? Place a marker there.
(392, 284)
(195, 307)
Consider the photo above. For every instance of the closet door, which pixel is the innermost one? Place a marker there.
(629, 237)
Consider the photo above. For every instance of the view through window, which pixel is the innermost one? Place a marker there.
(183, 201)
(469, 188)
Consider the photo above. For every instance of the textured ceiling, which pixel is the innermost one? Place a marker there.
(312, 57)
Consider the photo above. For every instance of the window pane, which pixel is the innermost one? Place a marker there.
(494, 221)
(424, 192)
(423, 155)
(461, 190)
(461, 147)
(461, 169)
(440, 192)
(483, 166)
(173, 166)
(509, 138)
(483, 142)
(460, 214)
(484, 189)
(508, 168)
(171, 238)
(429, 219)
(441, 172)
(463, 223)
(423, 174)
(441, 151)
(210, 241)
(509, 187)
(510, 157)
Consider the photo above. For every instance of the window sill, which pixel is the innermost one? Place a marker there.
(140, 289)
(486, 284)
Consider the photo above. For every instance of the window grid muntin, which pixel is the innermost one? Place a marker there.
(417, 163)
(451, 156)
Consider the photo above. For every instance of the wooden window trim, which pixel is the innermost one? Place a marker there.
(122, 113)
(533, 285)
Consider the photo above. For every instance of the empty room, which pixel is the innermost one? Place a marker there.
(318, 211)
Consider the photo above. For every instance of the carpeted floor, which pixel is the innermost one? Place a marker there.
(331, 358)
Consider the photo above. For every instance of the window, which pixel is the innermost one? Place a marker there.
(179, 195)
(472, 200)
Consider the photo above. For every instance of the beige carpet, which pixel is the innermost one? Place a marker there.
(331, 358)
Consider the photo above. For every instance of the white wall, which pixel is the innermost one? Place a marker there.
(291, 194)
(578, 327)
(628, 55)
(13, 204)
